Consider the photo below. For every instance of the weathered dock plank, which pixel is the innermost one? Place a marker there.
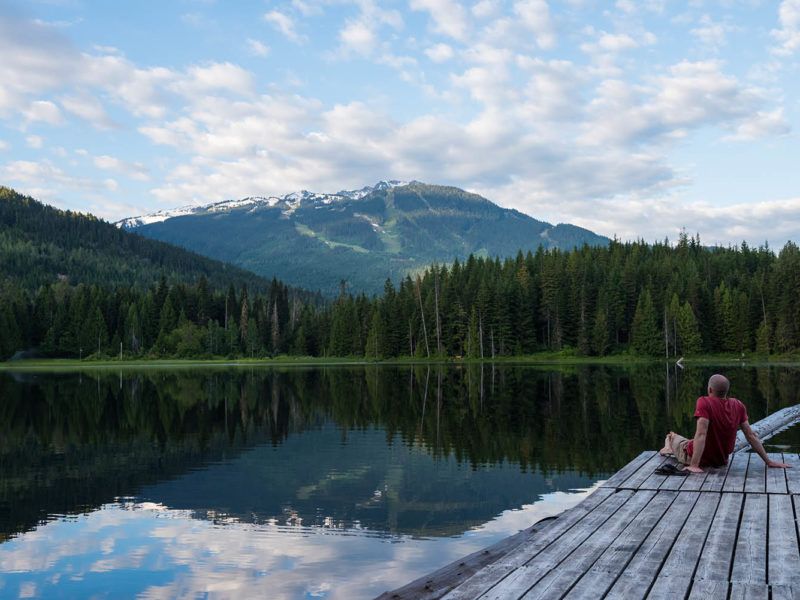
(783, 557)
(708, 589)
(749, 591)
(620, 476)
(750, 561)
(731, 532)
(435, 584)
(636, 480)
(756, 481)
(715, 478)
(634, 582)
(776, 479)
(676, 483)
(562, 578)
(785, 592)
(737, 473)
(475, 585)
(792, 480)
(675, 577)
(616, 557)
(696, 481)
(717, 554)
(523, 578)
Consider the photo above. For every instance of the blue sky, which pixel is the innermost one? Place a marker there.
(630, 118)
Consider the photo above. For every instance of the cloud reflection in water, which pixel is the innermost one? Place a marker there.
(146, 550)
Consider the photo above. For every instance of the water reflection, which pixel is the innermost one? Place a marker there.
(144, 467)
(152, 551)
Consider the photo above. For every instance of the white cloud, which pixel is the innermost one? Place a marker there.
(440, 53)
(535, 16)
(616, 43)
(761, 124)
(285, 24)
(214, 77)
(690, 96)
(307, 9)
(357, 36)
(34, 141)
(789, 33)
(718, 225)
(136, 171)
(449, 17)
(257, 48)
(141, 91)
(41, 110)
(485, 9)
(626, 6)
(35, 59)
(87, 107)
(46, 174)
(553, 92)
(712, 34)
(4, 146)
(507, 111)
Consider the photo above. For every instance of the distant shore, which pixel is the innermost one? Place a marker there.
(543, 358)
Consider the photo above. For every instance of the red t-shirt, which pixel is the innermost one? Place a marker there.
(724, 416)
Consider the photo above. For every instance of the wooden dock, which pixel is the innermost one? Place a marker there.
(729, 533)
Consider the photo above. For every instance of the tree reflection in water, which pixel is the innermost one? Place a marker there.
(425, 450)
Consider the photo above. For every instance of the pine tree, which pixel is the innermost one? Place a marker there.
(688, 332)
(252, 337)
(763, 339)
(600, 339)
(645, 337)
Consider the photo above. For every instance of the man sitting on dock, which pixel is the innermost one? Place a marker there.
(718, 418)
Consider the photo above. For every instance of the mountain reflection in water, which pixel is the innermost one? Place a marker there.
(434, 454)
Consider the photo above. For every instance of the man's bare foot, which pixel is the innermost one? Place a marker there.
(667, 449)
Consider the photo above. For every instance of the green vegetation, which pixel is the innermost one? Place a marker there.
(387, 233)
(41, 245)
(626, 300)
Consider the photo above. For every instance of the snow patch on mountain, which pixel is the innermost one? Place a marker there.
(288, 203)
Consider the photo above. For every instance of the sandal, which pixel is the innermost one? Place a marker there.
(670, 469)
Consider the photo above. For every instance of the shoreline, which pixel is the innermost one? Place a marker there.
(542, 359)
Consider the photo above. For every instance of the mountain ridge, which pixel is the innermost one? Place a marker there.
(41, 245)
(289, 199)
(390, 230)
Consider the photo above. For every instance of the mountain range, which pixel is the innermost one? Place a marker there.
(362, 237)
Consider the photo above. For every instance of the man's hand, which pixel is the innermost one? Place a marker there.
(778, 465)
(693, 469)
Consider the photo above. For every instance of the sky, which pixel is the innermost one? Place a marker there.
(634, 118)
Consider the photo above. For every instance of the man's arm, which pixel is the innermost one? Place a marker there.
(699, 445)
(756, 445)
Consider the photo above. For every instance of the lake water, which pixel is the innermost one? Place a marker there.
(330, 482)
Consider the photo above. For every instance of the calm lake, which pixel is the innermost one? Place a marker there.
(324, 482)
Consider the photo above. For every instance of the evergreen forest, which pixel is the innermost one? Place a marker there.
(623, 298)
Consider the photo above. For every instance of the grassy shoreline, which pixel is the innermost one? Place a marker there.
(542, 358)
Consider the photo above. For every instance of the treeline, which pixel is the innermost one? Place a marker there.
(40, 244)
(163, 321)
(625, 297)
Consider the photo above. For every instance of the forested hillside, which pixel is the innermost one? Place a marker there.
(40, 245)
(66, 277)
(624, 297)
(315, 241)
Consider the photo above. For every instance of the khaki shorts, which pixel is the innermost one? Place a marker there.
(678, 444)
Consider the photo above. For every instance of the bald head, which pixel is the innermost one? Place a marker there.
(719, 386)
